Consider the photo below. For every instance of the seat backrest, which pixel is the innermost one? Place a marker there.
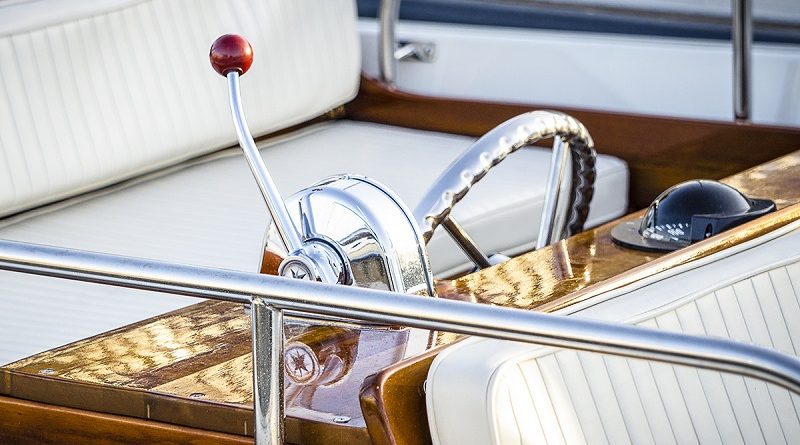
(94, 92)
(516, 393)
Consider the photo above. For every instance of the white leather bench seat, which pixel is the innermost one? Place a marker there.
(518, 393)
(210, 213)
(95, 92)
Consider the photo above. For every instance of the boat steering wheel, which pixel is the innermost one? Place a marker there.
(526, 129)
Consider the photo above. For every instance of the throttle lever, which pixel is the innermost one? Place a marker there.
(231, 56)
(345, 229)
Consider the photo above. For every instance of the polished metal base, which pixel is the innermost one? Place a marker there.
(367, 227)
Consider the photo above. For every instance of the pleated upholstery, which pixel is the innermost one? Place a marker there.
(517, 393)
(212, 214)
(91, 95)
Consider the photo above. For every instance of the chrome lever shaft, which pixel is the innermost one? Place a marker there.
(277, 209)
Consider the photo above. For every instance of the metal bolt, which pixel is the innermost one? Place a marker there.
(341, 419)
(47, 371)
(196, 395)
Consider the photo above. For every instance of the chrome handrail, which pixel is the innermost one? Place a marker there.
(742, 36)
(270, 296)
(388, 14)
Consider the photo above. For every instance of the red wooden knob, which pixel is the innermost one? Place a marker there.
(231, 52)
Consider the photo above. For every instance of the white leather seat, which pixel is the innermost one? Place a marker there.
(111, 126)
(210, 213)
(517, 393)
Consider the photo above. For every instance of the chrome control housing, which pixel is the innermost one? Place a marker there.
(371, 231)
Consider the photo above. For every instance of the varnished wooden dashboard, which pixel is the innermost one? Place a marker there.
(185, 377)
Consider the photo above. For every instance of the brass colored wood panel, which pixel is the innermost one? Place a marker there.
(151, 352)
(193, 367)
(393, 402)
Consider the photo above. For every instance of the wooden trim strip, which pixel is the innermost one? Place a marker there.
(23, 422)
(393, 402)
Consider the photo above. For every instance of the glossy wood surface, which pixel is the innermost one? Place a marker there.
(31, 423)
(553, 277)
(393, 402)
(660, 152)
(193, 367)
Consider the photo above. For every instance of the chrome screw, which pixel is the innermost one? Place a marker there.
(341, 419)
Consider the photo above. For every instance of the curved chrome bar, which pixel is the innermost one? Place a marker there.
(277, 209)
(270, 294)
(742, 33)
(508, 137)
(387, 43)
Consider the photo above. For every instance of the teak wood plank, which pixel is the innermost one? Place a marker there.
(151, 352)
(211, 389)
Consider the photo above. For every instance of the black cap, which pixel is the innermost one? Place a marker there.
(689, 212)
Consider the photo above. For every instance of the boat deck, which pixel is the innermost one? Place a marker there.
(192, 367)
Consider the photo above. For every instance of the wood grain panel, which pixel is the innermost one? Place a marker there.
(193, 367)
(23, 423)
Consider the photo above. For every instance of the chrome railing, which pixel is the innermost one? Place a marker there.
(741, 35)
(271, 296)
(388, 15)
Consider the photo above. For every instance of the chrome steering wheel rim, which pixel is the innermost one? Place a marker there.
(526, 129)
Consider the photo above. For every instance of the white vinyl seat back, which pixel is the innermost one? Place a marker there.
(492, 392)
(95, 92)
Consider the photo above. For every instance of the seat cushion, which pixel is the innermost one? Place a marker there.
(94, 92)
(521, 393)
(210, 213)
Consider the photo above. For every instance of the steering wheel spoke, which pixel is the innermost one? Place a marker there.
(466, 243)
